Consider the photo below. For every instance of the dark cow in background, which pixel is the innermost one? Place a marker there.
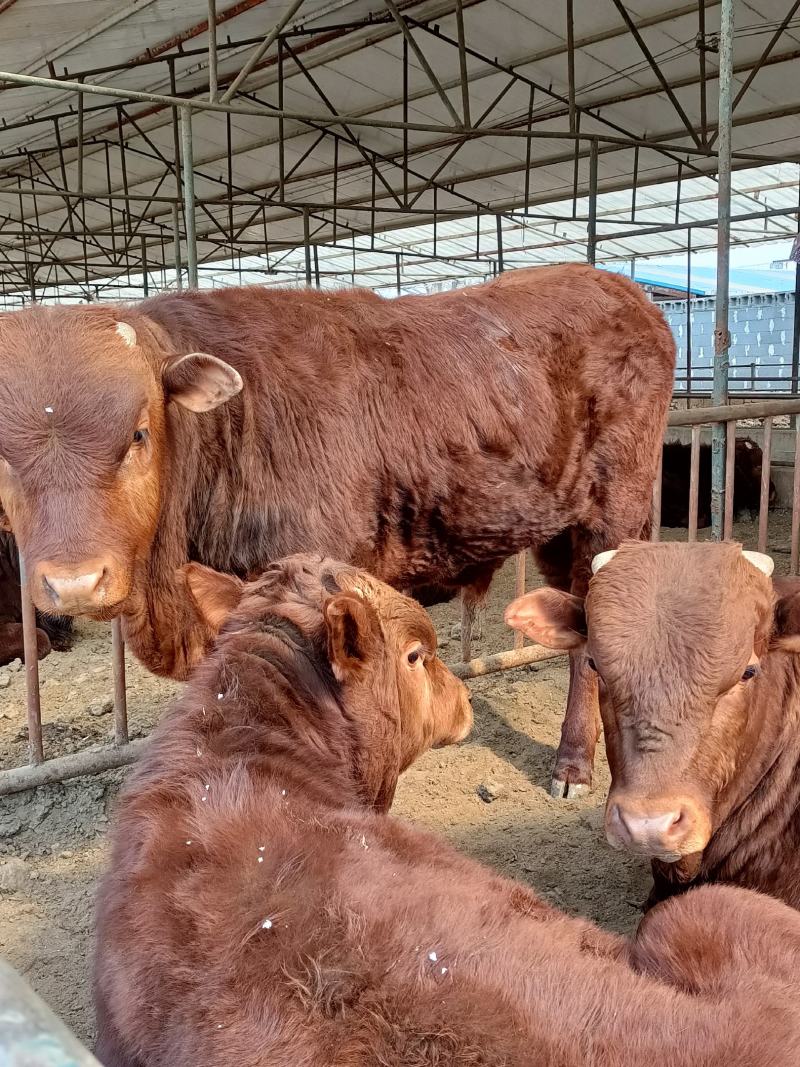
(676, 475)
(261, 909)
(51, 631)
(423, 438)
(700, 695)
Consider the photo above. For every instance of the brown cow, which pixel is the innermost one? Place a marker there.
(262, 911)
(700, 697)
(51, 632)
(423, 438)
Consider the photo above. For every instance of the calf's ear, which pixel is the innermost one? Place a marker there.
(215, 594)
(353, 633)
(550, 617)
(200, 382)
(786, 625)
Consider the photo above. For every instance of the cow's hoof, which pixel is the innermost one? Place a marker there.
(562, 790)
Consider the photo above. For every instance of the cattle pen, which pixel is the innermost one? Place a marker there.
(212, 156)
(405, 147)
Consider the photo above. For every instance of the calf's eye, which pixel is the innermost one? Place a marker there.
(749, 672)
(414, 657)
(139, 437)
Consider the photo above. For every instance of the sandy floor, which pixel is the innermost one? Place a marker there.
(52, 840)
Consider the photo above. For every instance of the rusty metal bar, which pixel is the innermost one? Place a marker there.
(730, 468)
(259, 52)
(763, 509)
(519, 590)
(31, 649)
(467, 622)
(694, 482)
(61, 769)
(212, 50)
(759, 409)
(795, 552)
(120, 695)
(504, 661)
(655, 512)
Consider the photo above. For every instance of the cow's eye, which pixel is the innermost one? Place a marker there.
(415, 657)
(749, 672)
(139, 436)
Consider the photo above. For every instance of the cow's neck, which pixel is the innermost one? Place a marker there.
(756, 843)
(269, 701)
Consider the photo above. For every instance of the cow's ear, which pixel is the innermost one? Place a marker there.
(550, 617)
(353, 633)
(786, 626)
(215, 594)
(200, 382)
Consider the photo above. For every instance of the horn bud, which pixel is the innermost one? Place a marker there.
(127, 333)
(601, 559)
(764, 563)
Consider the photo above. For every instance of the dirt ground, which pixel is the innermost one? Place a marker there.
(52, 840)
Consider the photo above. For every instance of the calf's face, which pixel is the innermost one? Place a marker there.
(381, 647)
(82, 445)
(677, 634)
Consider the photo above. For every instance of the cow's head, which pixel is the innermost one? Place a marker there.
(83, 396)
(381, 647)
(678, 635)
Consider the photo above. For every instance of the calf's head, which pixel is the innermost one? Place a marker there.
(84, 395)
(679, 635)
(381, 647)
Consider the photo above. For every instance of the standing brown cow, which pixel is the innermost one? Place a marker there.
(423, 438)
(700, 696)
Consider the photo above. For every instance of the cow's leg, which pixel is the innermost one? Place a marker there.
(12, 645)
(572, 774)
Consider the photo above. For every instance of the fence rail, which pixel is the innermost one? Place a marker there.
(41, 770)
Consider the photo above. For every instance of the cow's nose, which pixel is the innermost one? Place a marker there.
(656, 833)
(73, 590)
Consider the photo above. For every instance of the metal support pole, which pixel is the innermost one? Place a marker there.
(719, 394)
(120, 695)
(187, 173)
(499, 223)
(176, 239)
(31, 651)
(307, 244)
(212, 50)
(591, 238)
(570, 67)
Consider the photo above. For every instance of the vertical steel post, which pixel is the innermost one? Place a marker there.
(31, 652)
(307, 244)
(187, 173)
(120, 695)
(212, 50)
(591, 236)
(722, 341)
(176, 240)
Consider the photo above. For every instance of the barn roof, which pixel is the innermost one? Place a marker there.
(644, 83)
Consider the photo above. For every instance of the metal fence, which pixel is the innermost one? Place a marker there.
(40, 770)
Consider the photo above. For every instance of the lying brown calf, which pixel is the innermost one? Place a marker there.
(261, 911)
(700, 699)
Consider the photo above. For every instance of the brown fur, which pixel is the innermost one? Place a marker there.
(424, 438)
(672, 630)
(294, 768)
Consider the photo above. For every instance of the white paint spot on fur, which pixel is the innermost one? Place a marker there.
(260, 859)
(444, 970)
(262, 848)
(283, 792)
(432, 957)
(220, 696)
(189, 841)
(48, 410)
(267, 924)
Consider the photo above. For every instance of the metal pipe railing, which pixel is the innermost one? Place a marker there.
(41, 770)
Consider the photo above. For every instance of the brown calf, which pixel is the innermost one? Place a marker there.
(423, 438)
(700, 698)
(262, 911)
